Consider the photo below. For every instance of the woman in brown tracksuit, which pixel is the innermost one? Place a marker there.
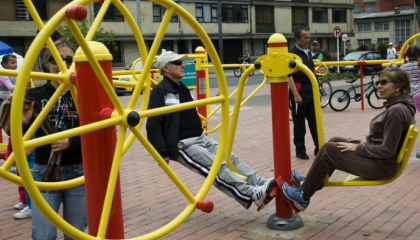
(373, 157)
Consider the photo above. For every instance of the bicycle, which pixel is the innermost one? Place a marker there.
(325, 88)
(340, 99)
(238, 71)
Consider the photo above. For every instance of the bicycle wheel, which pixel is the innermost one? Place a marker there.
(325, 90)
(374, 100)
(339, 100)
(237, 72)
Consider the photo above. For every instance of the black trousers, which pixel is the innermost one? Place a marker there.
(299, 114)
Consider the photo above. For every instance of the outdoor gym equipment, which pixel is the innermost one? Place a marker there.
(114, 114)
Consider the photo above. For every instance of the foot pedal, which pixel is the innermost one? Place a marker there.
(271, 193)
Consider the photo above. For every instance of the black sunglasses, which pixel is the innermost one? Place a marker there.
(68, 60)
(383, 82)
(177, 62)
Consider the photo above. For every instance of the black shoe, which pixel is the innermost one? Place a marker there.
(302, 156)
(316, 151)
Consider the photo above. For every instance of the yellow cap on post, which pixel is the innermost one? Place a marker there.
(277, 43)
(100, 51)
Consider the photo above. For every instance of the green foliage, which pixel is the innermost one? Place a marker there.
(326, 56)
(331, 76)
(382, 47)
(372, 47)
(362, 48)
(106, 37)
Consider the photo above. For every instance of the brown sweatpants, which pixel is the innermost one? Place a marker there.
(329, 158)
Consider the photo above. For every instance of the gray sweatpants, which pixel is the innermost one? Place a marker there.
(198, 154)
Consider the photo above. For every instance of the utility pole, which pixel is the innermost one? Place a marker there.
(138, 14)
(219, 18)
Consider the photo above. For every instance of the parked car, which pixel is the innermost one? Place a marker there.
(357, 56)
(129, 78)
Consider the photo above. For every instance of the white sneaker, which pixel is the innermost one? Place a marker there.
(24, 213)
(20, 206)
(260, 193)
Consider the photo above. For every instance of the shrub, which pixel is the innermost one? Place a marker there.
(338, 76)
(362, 48)
(326, 55)
(382, 47)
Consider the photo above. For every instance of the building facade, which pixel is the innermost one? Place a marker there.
(241, 24)
(383, 21)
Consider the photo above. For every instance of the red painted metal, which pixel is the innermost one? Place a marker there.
(77, 13)
(362, 102)
(275, 45)
(98, 149)
(281, 143)
(206, 206)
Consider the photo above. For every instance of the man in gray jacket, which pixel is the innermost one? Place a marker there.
(179, 136)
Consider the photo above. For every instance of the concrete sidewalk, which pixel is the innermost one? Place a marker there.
(150, 199)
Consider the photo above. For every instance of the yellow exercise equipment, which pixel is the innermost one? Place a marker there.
(118, 116)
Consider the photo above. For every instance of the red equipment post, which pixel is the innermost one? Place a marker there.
(201, 80)
(98, 146)
(284, 218)
(362, 64)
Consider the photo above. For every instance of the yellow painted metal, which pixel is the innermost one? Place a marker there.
(402, 159)
(318, 65)
(234, 121)
(317, 104)
(117, 118)
(101, 53)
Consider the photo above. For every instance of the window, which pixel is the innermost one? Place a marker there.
(264, 19)
(356, 9)
(299, 18)
(116, 52)
(234, 13)
(111, 15)
(364, 42)
(23, 14)
(381, 40)
(381, 26)
(159, 12)
(363, 27)
(377, 56)
(21, 11)
(370, 7)
(402, 30)
(320, 15)
(339, 15)
(206, 12)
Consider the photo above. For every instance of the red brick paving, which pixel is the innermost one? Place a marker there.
(150, 200)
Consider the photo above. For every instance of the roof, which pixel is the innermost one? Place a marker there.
(361, 16)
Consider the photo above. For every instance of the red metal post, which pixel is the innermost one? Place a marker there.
(201, 80)
(284, 218)
(361, 64)
(281, 142)
(98, 146)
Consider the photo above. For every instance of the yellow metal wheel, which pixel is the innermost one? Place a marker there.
(118, 117)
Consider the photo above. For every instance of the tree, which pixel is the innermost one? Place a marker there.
(106, 37)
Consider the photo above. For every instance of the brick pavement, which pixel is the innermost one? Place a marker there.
(150, 200)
